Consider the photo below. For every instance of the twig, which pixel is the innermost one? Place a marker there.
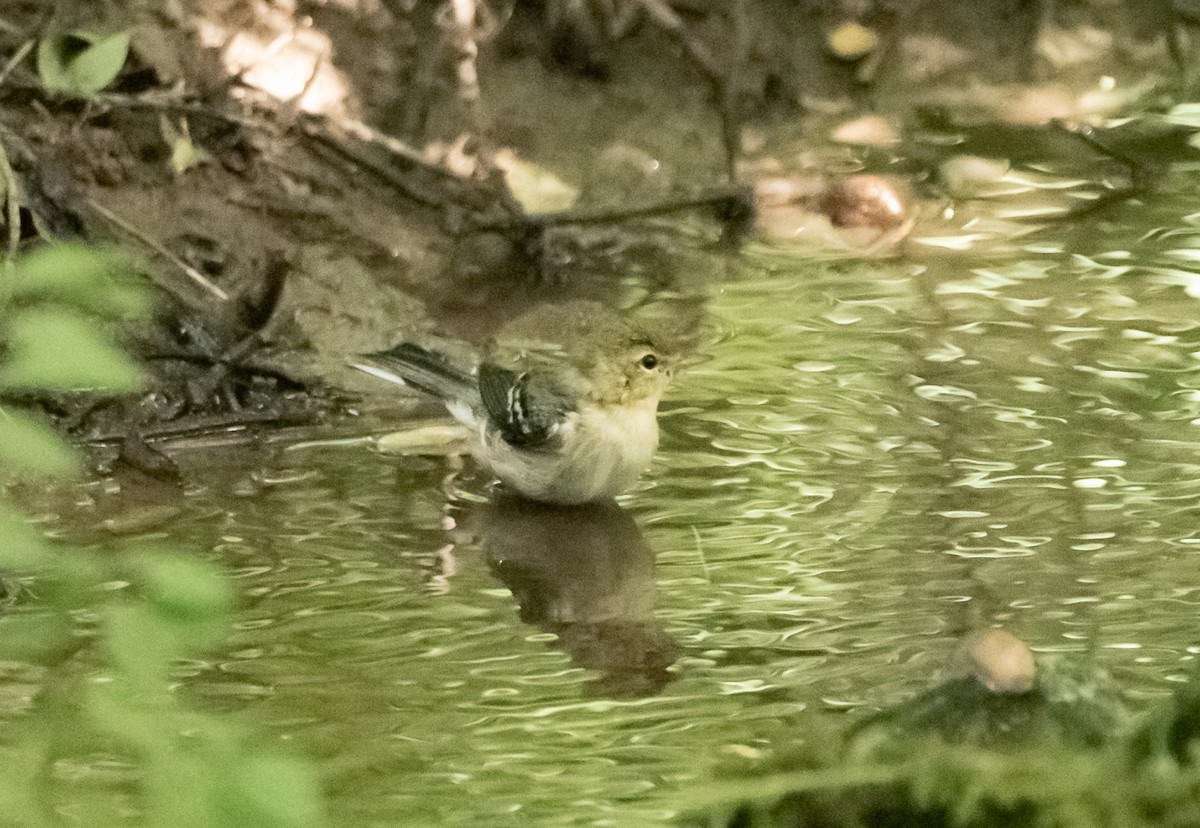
(1138, 170)
(12, 213)
(329, 142)
(197, 426)
(292, 211)
(15, 60)
(735, 198)
(212, 379)
(174, 103)
(402, 150)
(1141, 173)
(189, 271)
(466, 193)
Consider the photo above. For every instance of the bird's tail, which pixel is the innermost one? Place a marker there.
(427, 370)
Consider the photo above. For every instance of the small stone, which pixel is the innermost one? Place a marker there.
(997, 659)
(852, 41)
(867, 131)
(864, 201)
(535, 187)
(970, 176)
(142, 519)
(753, 141)
(778, 190)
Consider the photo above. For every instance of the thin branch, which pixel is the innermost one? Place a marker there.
(202, 425)
(405, 152)
(449, 190)
(12, 212)
(177, 104)
(729, 88)
(189, 271)
(12, 195)
(330, 142)
(731, 199)
(16, 59)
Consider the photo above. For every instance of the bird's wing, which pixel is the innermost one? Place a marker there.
(442, 373)
(433, 372)
(526, 411)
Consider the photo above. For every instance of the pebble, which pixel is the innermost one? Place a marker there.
(998, 660)
(852, 41)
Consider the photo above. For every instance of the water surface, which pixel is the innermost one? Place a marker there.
(865, 459)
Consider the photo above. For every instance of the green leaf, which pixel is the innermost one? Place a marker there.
(179, 791)
(80, 63)
(185, 589)
(24, 756)
(272, 791)
(21, 548)
(106, 706)
(29, 446)
(82, 276)
(140, 648)
(76, 581)
(33, 636)
(57, 349)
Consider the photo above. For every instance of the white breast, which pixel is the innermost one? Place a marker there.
(598, 455)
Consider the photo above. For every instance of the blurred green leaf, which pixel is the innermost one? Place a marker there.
(105, 706)
(190, 596)
(80, 63)
(33, 636)
(180, 791)
(57, 349)
(272, 791)
(184, 588)
(83, 276)
(139, 648)
(193, 768)
(30, 447)
(75, 582)
(21, 548)
(23, 758)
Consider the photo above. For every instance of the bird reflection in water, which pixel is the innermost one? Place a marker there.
(586, 574)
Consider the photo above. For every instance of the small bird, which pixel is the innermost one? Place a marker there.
(563, 401)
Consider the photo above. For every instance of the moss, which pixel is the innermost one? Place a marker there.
(1057, 757)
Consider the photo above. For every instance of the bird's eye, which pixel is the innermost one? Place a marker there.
(649, 362)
